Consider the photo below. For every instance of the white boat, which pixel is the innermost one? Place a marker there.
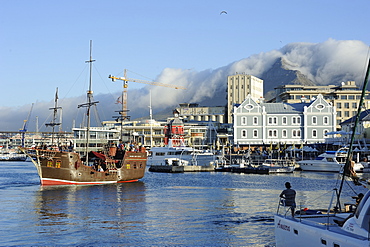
(330, 161)
(321, 229)
(181, 155)
(279, 165)
(12, 156)
(333, 227)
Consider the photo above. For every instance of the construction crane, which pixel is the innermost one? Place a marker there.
(25, 124)
(125, 80)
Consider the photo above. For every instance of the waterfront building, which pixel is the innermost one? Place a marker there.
(238, 87)
(362, 135)
(344, 97)
(194, 112)
(285, 123)
(150, 133)
(13, 139)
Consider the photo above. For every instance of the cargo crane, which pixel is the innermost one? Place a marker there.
(123, 113)
(25, 125)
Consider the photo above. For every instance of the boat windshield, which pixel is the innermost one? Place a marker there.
(362, 203)
(365, 220)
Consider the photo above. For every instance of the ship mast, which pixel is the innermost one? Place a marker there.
(54, 123)
(89, 103)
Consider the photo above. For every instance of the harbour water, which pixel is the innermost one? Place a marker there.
(183, 209)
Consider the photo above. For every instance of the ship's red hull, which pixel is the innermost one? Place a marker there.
(46, 181)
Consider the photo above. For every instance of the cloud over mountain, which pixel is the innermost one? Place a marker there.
(329, 62)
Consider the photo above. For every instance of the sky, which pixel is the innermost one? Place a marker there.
(44, 44)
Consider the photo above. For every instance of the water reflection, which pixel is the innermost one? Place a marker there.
(198, 209)
(89, 209)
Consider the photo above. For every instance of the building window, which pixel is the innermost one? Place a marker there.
(314, 120)
(275, 133)
(354, 105)
(326, 131)
(339, 113)
(255, 133)
(285, 120)
(339, 105)
(244, 133)
(244, 120)
(346, 114)
(346, 105)
(270, 133)
(284, 134)
(255, 120)
(270, 120)
(314, 133)
(326, 120)
(296, 120)
(351, 97)
(343, 97)
(296, 133)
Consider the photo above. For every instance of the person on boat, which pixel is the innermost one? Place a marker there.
(288, 197)
(121, 146)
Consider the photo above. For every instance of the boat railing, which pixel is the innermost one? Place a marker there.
(305, 213)
(286, 208)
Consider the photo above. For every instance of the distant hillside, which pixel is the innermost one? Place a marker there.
(278, 74)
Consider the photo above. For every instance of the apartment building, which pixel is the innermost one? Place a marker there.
(344, 97)
(238, 87)
(194, 112)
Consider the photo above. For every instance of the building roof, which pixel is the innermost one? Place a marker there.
(364, 116)
(284, 107)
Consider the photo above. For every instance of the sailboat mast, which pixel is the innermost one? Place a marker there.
(359, 109)
(151, 118)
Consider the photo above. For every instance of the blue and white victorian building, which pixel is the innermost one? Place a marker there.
(291, 123)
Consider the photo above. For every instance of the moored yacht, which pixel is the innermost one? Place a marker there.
(330, 161)
(180, 155)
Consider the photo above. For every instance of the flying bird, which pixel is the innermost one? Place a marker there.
(223, 12)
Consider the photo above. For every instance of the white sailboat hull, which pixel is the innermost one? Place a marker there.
(305, 233)
(321, 166)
